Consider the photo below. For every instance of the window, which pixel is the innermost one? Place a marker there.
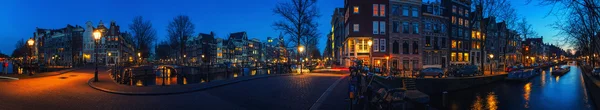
(355, 29)
(351, 45)
(460, 21)
(381, 10)
(453, 56)
(375, 45)
(443, 28)
(382, 44)
(396, 26)
(466, 13)
(415, 47)
(443, 42)
(375, 27)
(395, 48)
(460, 32)
(405, 47)
(466, 56)
(415, 12)
(460, 11)
(466, 23)
(415, 64)
(453, 9)
(375, 9)
(415, 28)
(459, 44)
(427, 26)
(454, 44)
(363, 47)
(427, 41)
(405, 64)
(453, 20)
(395, 10)
(405, 11)
(460, 56)
(405, 27)
(382, 27)
(435, 42)
(355, 10)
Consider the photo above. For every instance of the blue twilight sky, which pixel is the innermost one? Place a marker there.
(18, 18)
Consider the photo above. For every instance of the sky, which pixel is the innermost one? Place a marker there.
(19, 18)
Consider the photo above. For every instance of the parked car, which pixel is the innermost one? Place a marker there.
(433, 72)
(469, 70)
(511, 68)
(596, 71)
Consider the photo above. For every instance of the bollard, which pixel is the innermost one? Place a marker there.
(444, 98)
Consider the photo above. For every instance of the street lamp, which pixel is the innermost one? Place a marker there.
(30, 42)
(97, 36)
(370, 43)
(300, 49)
(491, 59)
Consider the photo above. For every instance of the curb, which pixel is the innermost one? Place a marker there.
(59, 73)
(178, 92)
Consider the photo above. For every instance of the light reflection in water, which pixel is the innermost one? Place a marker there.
(139, 83)
(557, 78)
(477, 103)
(543, 78)
(527, 93)
(253, 72)
(492, 101)
(235, 75)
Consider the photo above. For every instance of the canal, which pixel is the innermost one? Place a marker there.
(543, 92)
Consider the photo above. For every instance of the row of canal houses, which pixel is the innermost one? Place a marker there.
(74, 45)
(411, 35)
(237, 49)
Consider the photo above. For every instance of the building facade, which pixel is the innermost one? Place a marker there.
(405, 37)
(365, 21)
(435, 49)
(59, 47)
(459, 30)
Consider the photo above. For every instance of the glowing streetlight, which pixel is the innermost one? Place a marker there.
(370, 43)
(30, 42)
(491, 58)
(97, 36)
(300, 49)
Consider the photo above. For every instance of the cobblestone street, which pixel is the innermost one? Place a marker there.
(70, 91)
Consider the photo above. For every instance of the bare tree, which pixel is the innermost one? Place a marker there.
(525, 29)
(299, 20)
(143, 35)
(179, 30)
(579, 24)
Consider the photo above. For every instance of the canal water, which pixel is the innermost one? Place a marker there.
(543, 92)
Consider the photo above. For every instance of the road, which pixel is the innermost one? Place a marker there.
(70, 91)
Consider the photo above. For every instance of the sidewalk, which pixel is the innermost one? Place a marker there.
(106, 84)
(35, 75)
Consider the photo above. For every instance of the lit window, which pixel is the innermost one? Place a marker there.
(405, 11)
(375, 9)
(466, 56)
(355, 29)
(453, 56)
(454, 43)
(382, 10)
(355, 10)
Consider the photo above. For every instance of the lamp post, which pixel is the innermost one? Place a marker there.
(491, 59)
(140, 58)
(300, 49)
(97, 36)
(387, 66)
(30, 42)
(370, 43)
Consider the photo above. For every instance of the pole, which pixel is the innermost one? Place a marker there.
(96, 62)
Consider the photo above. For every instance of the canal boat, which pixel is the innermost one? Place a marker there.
(522, 75)
(561, 71)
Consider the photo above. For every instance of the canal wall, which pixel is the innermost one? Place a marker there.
(592, 84)
(439, 85)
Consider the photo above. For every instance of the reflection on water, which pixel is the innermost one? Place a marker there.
(568, 92)
(169, 76)
(526, 94)
(491, 101)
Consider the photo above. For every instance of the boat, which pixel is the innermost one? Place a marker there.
(522, 75)
(561, 70)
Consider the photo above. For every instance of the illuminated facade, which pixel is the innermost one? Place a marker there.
(365, 21)
(435, 35)
(459, 30)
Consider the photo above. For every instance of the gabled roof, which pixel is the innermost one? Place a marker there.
(238, 35)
